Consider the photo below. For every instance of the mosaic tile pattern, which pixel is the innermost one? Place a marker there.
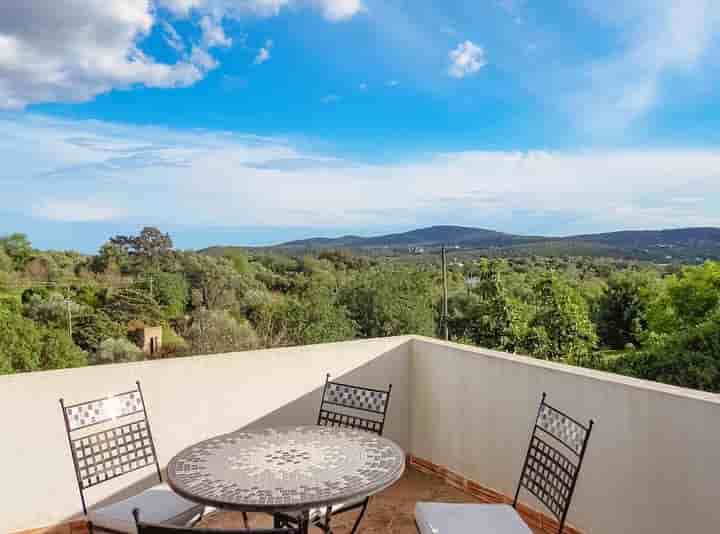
(286, 469)
(355, 397)
(562, 427)
(98, 411)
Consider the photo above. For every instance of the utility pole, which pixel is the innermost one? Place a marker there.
(446, 334)
(151, 285)
(69, 316)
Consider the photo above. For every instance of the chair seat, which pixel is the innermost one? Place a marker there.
(445, 518)
(159, 504)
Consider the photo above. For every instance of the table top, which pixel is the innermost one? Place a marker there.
(282, 469)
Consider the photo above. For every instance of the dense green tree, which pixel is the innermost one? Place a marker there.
(6, 262)
(111, 257)
(24, 346)
(213, 281)
(127, 305)
(316, 316)
(92, 328)
(391, 301)
(150, 245)
(18, 247)
(622, 314)
(560, 327)
(170, 290)
(683, 343)
(487, 316)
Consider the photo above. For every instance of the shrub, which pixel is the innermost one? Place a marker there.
(117, 350)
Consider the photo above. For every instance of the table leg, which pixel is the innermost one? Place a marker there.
(305, 527)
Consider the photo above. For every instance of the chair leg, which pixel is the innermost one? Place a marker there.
(362, 513)
(246, 521)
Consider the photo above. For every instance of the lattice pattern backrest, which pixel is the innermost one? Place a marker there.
(111, 453)
(99, 411)
(330, 418)
(369, 400)
(549, 475)
(563, 428)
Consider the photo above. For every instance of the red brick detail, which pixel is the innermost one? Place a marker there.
(73, 527)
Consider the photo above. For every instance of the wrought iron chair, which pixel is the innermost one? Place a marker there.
(103, 450)
(154, 528)
(346, 406)
(548, 473)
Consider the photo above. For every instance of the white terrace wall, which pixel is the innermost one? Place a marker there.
(189, 399)
(653, 465)
(653, 462)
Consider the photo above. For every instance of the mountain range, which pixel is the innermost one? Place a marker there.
(649, 244)
(682, 244)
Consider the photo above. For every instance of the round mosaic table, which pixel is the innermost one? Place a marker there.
(286, 469)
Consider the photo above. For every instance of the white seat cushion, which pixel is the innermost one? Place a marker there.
(158, 504)
(445, 518)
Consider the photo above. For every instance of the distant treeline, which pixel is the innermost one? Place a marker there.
(64, 309)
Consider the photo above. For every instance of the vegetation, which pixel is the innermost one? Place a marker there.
(62, 309)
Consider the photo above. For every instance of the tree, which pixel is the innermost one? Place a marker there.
(214, 331)
(92, 328)
(213, 281)
(682, 345)
(54, 310)
(18, 247)
(560, 327)
(150, 246)
(622, 313)
(389, 302)
(170, 290)
(26, 347)
(126, 305)
(488, 316)
(317, 317)
(110, 257)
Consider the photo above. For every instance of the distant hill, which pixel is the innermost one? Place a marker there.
(654, 245)
(432, 236)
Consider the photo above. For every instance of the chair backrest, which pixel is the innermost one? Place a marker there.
(349, 406)
(102, 450)
(549, 473)
(151, 528)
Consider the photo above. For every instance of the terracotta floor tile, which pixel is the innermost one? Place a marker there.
(390, 512)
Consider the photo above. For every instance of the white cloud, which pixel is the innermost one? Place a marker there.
(159, 176)
(659, 38)
(264, 53)
(392, 83)
(363, 86)
(332, 10)
(213, 33)
(337, 10)
(78, 49)
(465, 60)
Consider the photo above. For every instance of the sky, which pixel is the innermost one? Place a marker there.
(260, 121)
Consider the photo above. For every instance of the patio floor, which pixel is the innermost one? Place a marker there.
(390, 512)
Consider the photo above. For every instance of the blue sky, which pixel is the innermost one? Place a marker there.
(256, 121)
